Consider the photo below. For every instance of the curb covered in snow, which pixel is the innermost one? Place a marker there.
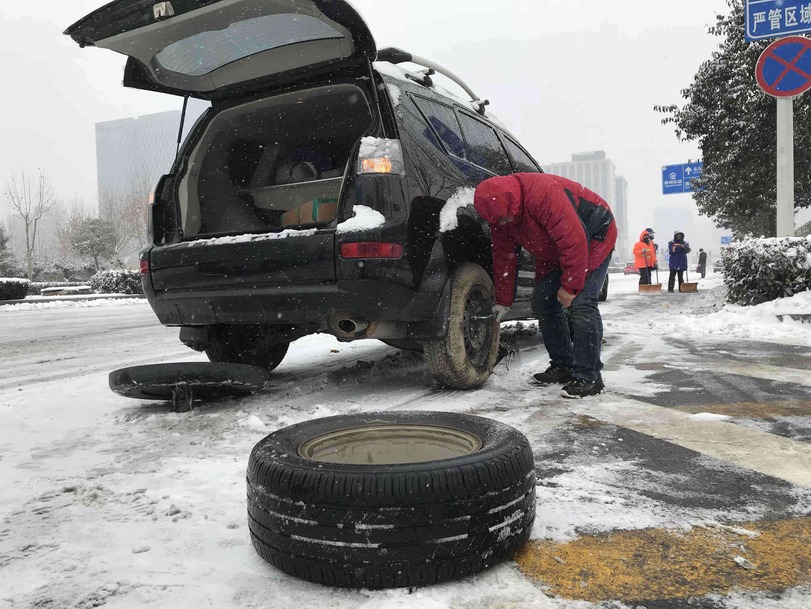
(78, 298)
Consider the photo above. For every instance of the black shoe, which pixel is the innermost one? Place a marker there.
(578, 388)
(552, 375)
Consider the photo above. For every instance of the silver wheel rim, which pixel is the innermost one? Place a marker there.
(395, 444)
(476, 328)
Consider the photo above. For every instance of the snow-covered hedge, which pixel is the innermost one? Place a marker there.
(117, 282)
(761, 270)
(52, 271)
(36, 287)
(13, 289)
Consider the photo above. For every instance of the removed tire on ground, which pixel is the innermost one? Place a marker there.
(467, 354)
(183, 383)
(393, 499)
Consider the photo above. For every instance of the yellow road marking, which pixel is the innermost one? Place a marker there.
(755, 410)
(759, 451)
(761, 371)
(658, 564)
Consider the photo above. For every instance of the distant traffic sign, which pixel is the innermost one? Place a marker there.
(678, 179)
(776, 18)
(784, 68)
(726, 240)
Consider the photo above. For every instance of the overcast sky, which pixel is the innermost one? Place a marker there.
(564, 75)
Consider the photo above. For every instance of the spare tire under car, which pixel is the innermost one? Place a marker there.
(394, 499)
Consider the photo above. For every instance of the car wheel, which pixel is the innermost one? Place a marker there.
(395, 499)
(245, 345)
(466, 356)
(604, 292)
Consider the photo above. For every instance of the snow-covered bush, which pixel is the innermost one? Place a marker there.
(761, 270)
(51, 271)
(117, 282)
(13, 288)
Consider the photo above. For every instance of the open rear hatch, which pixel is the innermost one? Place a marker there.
(210, 48)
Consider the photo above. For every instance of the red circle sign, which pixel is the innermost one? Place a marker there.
(784, 68)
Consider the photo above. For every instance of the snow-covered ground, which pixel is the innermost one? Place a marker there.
(113, 502)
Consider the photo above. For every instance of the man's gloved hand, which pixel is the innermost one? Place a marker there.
(500, 311)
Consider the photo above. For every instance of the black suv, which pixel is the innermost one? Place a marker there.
(325, 190)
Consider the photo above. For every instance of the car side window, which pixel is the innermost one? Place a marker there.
(522, 162)
(483, 146)
(443, 119)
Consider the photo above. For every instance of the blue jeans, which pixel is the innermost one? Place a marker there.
(579, 349)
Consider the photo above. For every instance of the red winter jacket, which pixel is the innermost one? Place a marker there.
(561, 223)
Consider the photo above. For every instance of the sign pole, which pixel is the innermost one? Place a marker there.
(785, 167)
(784, 72)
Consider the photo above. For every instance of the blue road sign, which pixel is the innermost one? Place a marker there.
(776, 18)
(726, 240)
(678, 179)
(784, 68)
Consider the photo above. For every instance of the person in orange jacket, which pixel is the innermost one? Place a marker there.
(645, 256)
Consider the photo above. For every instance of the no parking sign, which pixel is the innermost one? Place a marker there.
(784, 68)
(784, 72)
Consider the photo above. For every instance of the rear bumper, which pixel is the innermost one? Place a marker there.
(319, 306)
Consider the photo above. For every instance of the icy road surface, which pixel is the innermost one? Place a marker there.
(108, 501)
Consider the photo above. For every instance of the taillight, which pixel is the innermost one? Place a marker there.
(144, 267)
(380, 156)
(371, 249)
(375, 166)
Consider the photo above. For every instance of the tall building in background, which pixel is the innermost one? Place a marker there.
(620, 207)
(597, 172)
(131, 152)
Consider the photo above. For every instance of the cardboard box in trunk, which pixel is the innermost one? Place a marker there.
(317, 210)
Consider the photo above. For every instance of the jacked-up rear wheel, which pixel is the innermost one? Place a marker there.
(466, 356)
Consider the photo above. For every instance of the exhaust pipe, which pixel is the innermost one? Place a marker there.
(351, 326)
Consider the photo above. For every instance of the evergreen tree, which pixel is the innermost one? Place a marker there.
(8, 264)
(94, 239)
(734, 123)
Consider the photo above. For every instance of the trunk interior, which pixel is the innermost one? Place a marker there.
(272, 164)
(259, 169)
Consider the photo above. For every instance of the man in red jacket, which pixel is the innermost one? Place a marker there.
(571, 232)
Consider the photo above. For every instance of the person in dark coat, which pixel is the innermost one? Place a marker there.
(571, 232)
(678, 249)
(702, 262)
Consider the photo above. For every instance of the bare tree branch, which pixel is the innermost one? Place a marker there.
(30, 199)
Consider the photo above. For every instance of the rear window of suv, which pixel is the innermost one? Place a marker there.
(443, 119)
(483, 146)
(205, 52)
(521, 160)
(466, 138)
